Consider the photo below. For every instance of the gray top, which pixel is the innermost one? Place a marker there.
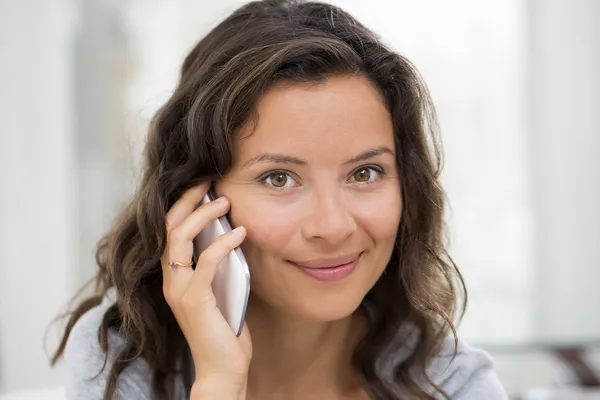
(469, 377)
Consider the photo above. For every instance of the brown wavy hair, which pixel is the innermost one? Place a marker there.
(190, 141)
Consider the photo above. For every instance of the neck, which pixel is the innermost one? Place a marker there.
(294, 358)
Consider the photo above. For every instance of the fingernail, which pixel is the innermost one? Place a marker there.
(221, 199)
(239, 230)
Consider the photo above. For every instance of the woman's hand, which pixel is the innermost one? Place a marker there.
(220, 358)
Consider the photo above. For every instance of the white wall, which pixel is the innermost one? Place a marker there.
(36, 183)
(565, 162)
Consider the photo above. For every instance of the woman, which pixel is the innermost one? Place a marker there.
(321, 143)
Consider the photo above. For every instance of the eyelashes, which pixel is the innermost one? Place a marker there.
(279, 180)
(283, 180)
(363, 175)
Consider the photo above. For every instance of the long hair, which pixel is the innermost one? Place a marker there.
(190, 141)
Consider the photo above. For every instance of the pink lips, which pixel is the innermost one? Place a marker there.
(329, 270)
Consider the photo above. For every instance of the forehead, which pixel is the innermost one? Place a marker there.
(341, 115)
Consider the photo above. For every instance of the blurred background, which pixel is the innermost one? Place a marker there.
(517, 88)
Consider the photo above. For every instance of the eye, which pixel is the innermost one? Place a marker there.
(366, 174)
(279, 180)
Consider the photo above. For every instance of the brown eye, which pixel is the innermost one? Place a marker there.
(279, 180)
(362, 175)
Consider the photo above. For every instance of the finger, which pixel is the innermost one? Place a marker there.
(176, 214)
(185, 205)
(180, 246)
(193, 224)
(210, 259)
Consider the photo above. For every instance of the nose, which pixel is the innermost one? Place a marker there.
(329, 220)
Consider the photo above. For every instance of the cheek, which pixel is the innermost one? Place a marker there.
(380, 215)
(269, 229)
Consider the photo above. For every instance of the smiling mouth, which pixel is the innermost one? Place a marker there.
(329, 270)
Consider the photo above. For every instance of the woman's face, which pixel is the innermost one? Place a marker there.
(316, 186)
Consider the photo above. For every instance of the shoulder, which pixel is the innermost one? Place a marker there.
(461, 370)
(85, 359)
(467, 375)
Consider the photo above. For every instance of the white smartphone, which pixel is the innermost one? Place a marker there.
(231, 285)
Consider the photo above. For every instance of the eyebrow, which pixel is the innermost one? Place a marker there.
(370, 154)
(286, 159)
(274, 158)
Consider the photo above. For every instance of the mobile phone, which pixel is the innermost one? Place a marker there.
(231, 284)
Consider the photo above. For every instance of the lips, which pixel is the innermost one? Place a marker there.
(330, 269)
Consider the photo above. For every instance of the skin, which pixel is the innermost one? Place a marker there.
(331, 190)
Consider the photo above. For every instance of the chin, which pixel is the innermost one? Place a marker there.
(328, 308)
